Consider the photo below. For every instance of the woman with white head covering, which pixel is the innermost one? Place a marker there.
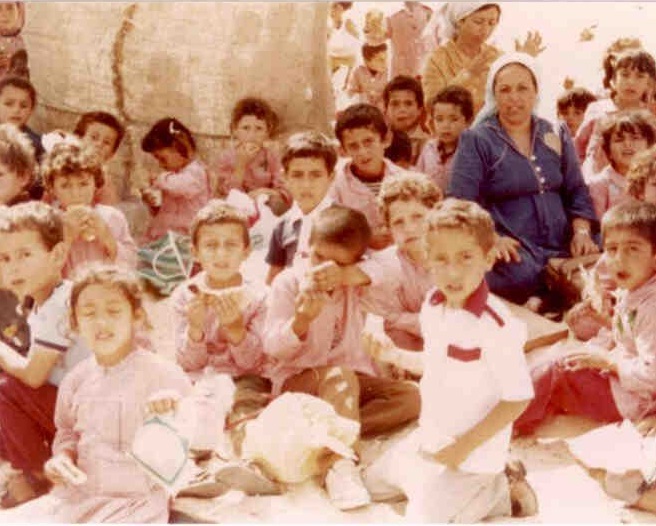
(525, 172)
(465, 57)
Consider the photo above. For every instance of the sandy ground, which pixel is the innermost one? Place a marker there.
(566, 493)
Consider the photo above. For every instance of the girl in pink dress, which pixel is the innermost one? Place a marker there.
(249, 164)
(93, 232)
(183, 188)
(101, 404)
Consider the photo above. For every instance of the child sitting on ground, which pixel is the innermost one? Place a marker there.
(404, 110)
(571, 107)
(451, 112)
(315, 339)
(17, 166)
(32, 254)
(101, 405)
(72, 175)
(452, 467)
(220, 316)
(623, 135)
(249, 164)
(613, 377)
(104, 132)
(595, 311)
(309, 162)
(368, 80)
(363, 135)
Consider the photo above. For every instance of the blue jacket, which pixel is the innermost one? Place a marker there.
(530, 199)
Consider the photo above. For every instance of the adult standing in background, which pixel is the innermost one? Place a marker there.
(405, 29)
(465, 57)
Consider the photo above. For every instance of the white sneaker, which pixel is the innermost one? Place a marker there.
(345, 487)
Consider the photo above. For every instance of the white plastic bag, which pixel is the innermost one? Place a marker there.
(292, 433)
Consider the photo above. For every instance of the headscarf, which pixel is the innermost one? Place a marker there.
(490, 106)
(446, 17)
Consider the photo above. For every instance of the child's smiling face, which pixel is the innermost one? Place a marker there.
(366, 148)
(251, 129)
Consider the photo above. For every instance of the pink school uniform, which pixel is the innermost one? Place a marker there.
(184, 193)
(334, 337)
(368, 86)
(631, 394)
(430, 162)
(349, 191)
(263, 171)
(405, 28)
(99, 410)
(84, 252)
(396, 292)
(215, 351)
(607, 189)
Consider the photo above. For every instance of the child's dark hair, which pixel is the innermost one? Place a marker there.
(345, 5)
(404, 83)
(407, 187)
(218, 212)
(169, 133)
(360, 116)
(458, 96)
(637, 59)
(110, 275)
(578, 98)
(257, 108)
(17, 152)
(100, 117)
(641, 171)
(400, 149)
(631, 121)
(637, 216)
(71, 160)
(610, 57)
(34, 215)
(310, 144)
(19, 83)
(343, 226)
(369, 51)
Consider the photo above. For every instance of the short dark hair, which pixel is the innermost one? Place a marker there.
(404, 83)
(629, 121)
(360, 116)
(400, 149)
(369, 51)
(636, 59)
(257, 108)
(343, 226)
(34, 215)
(309, 144)
(458, 96)
(100, 117)
(20, 83)
(169, 133)
(578, 97)
(218, 212)
(636, 216)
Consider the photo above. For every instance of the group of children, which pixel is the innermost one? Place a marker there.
(357, 237)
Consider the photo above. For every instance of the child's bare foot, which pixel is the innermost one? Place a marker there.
(523, 500)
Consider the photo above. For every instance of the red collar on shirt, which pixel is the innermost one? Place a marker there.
(476, 303)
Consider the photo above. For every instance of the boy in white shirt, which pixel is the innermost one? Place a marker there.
(474, 374)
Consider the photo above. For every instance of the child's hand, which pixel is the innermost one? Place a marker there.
(74, 223)
(481, 63)
(308, 304)
(326, 277)
(61, 469)
(576, 362)
(246, 151)
(227, 308)
(163, 402)
(196, 313)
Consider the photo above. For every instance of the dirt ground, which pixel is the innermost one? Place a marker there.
(566, 493)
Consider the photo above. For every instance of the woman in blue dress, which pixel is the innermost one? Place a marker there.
(524, 171)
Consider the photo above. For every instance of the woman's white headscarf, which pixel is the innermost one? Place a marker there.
(446, 18)
(490, 106)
